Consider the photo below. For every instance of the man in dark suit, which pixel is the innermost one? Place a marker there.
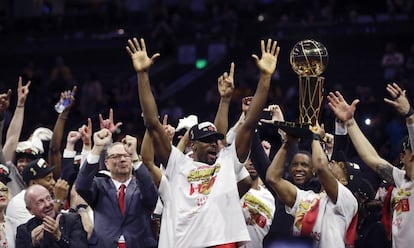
(47, 228)
(122, 202)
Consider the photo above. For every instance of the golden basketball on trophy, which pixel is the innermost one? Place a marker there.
(309, 59)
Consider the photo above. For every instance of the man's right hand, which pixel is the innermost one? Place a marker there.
(102, 137)
(138, 52)
(37, 235)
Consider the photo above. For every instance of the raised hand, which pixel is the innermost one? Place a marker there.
(170, 130)
(399, 100)
(225, 83)
(68, 95)
(22, 92)
(85, 132)
(246, 103)
(266, 147)
(276, 114)
(270, 52)
(340, 107)
(61, 190)
(130, 143)
(71, 139)
(109, 123)
(102, 137)
(138, 52)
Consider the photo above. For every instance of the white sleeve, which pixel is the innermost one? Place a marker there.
(243, 173)
(346, 203)
(300, 194)
(398, 176)
(230, 136)
(16, 215)
(175, 159)
(69, 154)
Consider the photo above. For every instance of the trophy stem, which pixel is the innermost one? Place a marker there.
(310, 98)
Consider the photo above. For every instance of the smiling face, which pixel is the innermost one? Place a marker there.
(301, 169)
(118, 161)
(205, 150)
(22, 162)
(39, 202)
(47, 181)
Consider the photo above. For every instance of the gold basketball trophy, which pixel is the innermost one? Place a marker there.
(308, 59)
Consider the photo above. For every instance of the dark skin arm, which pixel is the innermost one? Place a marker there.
(320, 164)
(274, 176)
(147, 154)
(225, 85)
(267, 66)
(142, 63)
(55, 155)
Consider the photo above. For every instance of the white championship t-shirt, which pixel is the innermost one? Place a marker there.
(332, 220)
(204, 206)
(259, 208)
(403, 215)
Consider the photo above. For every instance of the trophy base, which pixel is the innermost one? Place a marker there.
(297, 130)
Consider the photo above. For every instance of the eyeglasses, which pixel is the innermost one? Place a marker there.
(118, 156)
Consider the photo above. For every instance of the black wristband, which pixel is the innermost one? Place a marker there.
(317, 137)
(409, 113)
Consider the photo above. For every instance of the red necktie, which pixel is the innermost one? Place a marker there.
(121, 196)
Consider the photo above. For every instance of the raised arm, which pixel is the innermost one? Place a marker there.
(320, 165)
(142, 63)
(85, 185)
(366, 151)
(274, 176)
(267, 66)
(55, 155)
(109, 122)
(16, 123)
(85, 132)
(401, 104)
(225, 85)
(147, 154)
(142, 176)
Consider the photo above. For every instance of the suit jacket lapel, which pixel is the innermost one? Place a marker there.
(112, 192)
(130, 190)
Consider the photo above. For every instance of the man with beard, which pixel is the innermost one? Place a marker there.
(207, 211)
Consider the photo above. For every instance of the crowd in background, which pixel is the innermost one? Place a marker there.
(372, 58)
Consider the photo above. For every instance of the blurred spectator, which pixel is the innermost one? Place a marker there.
(61, 71)
(392, 62)
(92, 97)
(60, 77)
(173, 110)
(409, 70)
